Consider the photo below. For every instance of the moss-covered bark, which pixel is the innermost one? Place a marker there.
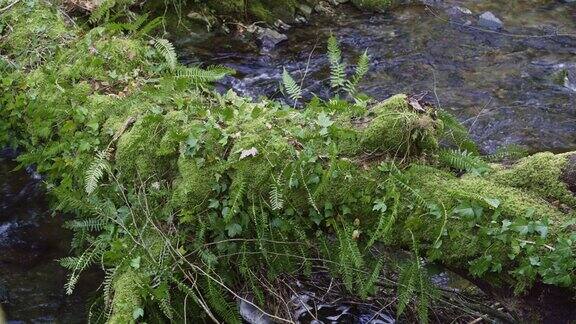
(132, 144)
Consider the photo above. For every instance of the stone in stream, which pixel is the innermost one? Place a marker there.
(490, 21)
(269, 38)
(252, 314)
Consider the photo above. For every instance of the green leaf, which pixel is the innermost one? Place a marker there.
(135, 263)
(324, 121)
(234, 229)
(492, 202)
(380, 205)
(137, 313)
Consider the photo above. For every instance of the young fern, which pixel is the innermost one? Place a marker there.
(361, 70)
(415, 283)
(293, 90)
(464, 161)
(166, 49)
(96, 171)
(201, 76)
(337, 67)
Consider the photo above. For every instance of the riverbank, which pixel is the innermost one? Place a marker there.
(187, 197)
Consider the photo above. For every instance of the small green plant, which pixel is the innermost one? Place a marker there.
(339, 80)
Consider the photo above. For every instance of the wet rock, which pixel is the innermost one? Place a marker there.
(252, 314)
(301, 20)
(570, 79)
(459, 11)
(490, 21)
(269, 38)
(337, 2)
(305, 10)
(281, 25)
(324, 7)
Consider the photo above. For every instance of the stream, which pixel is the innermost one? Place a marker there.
(507, 86)
(515, 86)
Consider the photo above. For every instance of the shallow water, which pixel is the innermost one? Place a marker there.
(505, 86)
(31, 240)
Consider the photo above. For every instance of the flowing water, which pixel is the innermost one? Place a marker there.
(512, 86)
(508, 86)
(31, 240)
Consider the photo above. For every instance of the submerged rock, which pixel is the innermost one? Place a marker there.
(252, 314)
(490, 21)
(269, 38)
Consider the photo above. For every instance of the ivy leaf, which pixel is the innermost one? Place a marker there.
(135, 263)
(542, 229)
(324, 121)
(316, 218)
(137, 313)
(464, 211)
(234, 229)
(492, 202)
(214, 204)
(505, 225)
(380, 205)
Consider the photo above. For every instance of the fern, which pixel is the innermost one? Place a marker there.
(236, 195)
(166, 49)
(361, 70)
(292, 88)
(78, 264)
(386, 219)
(96, 171)
(370, 282)
(464, 161)
(217, 300)
(414, 282)
(91, 224)
(456, 134)
(350, 257)
(276, 198)
(337, 67)
(200, 76)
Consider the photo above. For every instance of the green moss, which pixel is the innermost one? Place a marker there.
(36, 32)
(540, 174)
(395, 128)
(137, 153)
(193, 187)
(127, 297)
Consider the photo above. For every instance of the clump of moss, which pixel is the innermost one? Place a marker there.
(540, 173)
(193, 186)
(34, 32)
(127, 298)
(397, 129)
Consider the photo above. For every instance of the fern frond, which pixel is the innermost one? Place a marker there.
(96, 171)
(293, 89)
(464, 161)
(337, 67)
(217, 300)
(102, 10)
(276, 198)
(166, 49)
(361, 70)
(237, 191)
(91, 224)
(201, 76)
(368, 284)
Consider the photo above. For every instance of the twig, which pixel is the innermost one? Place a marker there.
(9, 6)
